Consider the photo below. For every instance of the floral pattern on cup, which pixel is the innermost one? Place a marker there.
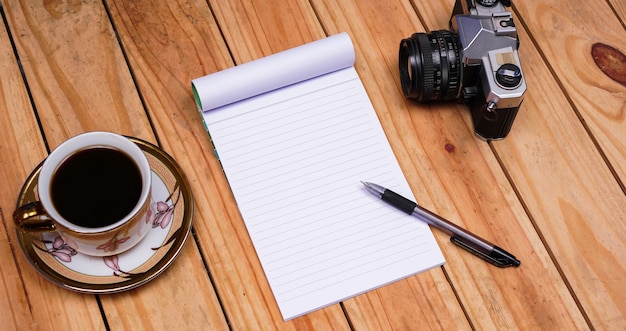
(113, 263)
(113, 244)
(160, 214)
(60, 249)
(132, 268)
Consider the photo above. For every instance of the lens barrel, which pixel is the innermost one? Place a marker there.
(430, 66)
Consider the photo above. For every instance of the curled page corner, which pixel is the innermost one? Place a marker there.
(273, 72)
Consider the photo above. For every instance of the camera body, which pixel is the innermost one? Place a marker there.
(475, 62)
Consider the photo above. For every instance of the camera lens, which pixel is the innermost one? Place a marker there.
(430, 66)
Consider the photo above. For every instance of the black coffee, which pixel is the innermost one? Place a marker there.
(96, 187)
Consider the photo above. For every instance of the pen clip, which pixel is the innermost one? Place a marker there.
(501, 262)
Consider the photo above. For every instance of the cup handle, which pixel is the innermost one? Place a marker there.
(31, 217)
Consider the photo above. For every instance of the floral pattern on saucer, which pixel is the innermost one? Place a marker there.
(171, 216)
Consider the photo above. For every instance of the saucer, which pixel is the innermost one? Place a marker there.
(173, 206)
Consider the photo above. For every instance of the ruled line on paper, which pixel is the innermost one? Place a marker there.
(343, 279)
(294, 160)
(268, 231)
(257, 144)
(313, 219)
(319, 272)
(327, 269)
(306, 175)
(294, 112)
(298, 163)
(353, 240)
(355, 249)
(301, 106)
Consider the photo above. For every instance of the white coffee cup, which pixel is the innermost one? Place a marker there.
(71, 187)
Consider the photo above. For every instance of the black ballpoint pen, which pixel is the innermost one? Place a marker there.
(467, 240)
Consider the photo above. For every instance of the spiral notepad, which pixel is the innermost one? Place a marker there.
(296, 134)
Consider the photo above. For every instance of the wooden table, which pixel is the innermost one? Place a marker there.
(552, 192)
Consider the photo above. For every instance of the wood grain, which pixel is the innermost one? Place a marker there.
(620, 10)
(83, 83)
(550, 158)
(480, 200)
(158, 306)
(179, 45)
(28, 301)
(552, 192)
(254, 29)
(75, 69)
(573, 29)
(581, 216)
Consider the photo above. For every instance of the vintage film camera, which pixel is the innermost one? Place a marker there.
(476, 62)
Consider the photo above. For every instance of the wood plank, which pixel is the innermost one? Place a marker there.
(563, 181)
(584, 227)
(254, 29)
(80, 82)
(168, 45)
(620, 9)
(456, 175)
(366, 311)
(29, 301)
(568, 30)
(78, 76)
(560, 183)
(427, 299)
(156, 302)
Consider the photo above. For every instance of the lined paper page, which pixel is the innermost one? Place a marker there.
(294, 159)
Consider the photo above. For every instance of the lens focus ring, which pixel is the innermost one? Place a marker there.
(430, 67)
(427, 69)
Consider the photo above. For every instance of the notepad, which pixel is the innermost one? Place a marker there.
(296, 134)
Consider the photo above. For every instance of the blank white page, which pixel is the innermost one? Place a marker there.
(295, 158)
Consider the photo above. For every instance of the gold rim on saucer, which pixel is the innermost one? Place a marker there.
(172, 207)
